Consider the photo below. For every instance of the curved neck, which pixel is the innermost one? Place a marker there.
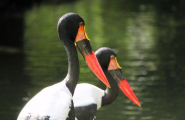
(73, 64)
(110, 93)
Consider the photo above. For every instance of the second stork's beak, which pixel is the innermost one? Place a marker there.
(115, 71)
(82, 42)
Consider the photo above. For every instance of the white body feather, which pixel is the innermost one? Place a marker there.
(53, 101)
(86, 94)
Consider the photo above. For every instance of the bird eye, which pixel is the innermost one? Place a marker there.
(112, 57)
(80, 24)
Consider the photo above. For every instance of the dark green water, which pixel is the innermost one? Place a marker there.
(149, 39)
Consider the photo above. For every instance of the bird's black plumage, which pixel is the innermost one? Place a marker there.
(55, 102)
(67, 27)
(88, 111)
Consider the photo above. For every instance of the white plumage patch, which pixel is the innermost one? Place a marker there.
(86, 94)
(53, 101)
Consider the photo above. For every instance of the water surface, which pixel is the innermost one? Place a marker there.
(148, 39)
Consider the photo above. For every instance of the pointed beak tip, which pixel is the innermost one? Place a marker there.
(127, 90)
(105, 81)
(94, 65)
(139, 104)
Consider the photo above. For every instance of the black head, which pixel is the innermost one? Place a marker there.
(103, 55)
(68, 25)
(108, 61)
(71, 30)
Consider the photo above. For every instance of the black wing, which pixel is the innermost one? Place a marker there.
(86, 112)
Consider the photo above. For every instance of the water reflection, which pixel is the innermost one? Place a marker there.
(149, 43)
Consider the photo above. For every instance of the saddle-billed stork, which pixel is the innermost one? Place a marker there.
(55, 102)
(89, 98)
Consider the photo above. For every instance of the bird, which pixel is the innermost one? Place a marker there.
(55, 102)
(89, 98)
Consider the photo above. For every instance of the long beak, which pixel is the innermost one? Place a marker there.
(93, 63)
(124, 85)
(115, 71)
(83, 44)
(127, 90)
